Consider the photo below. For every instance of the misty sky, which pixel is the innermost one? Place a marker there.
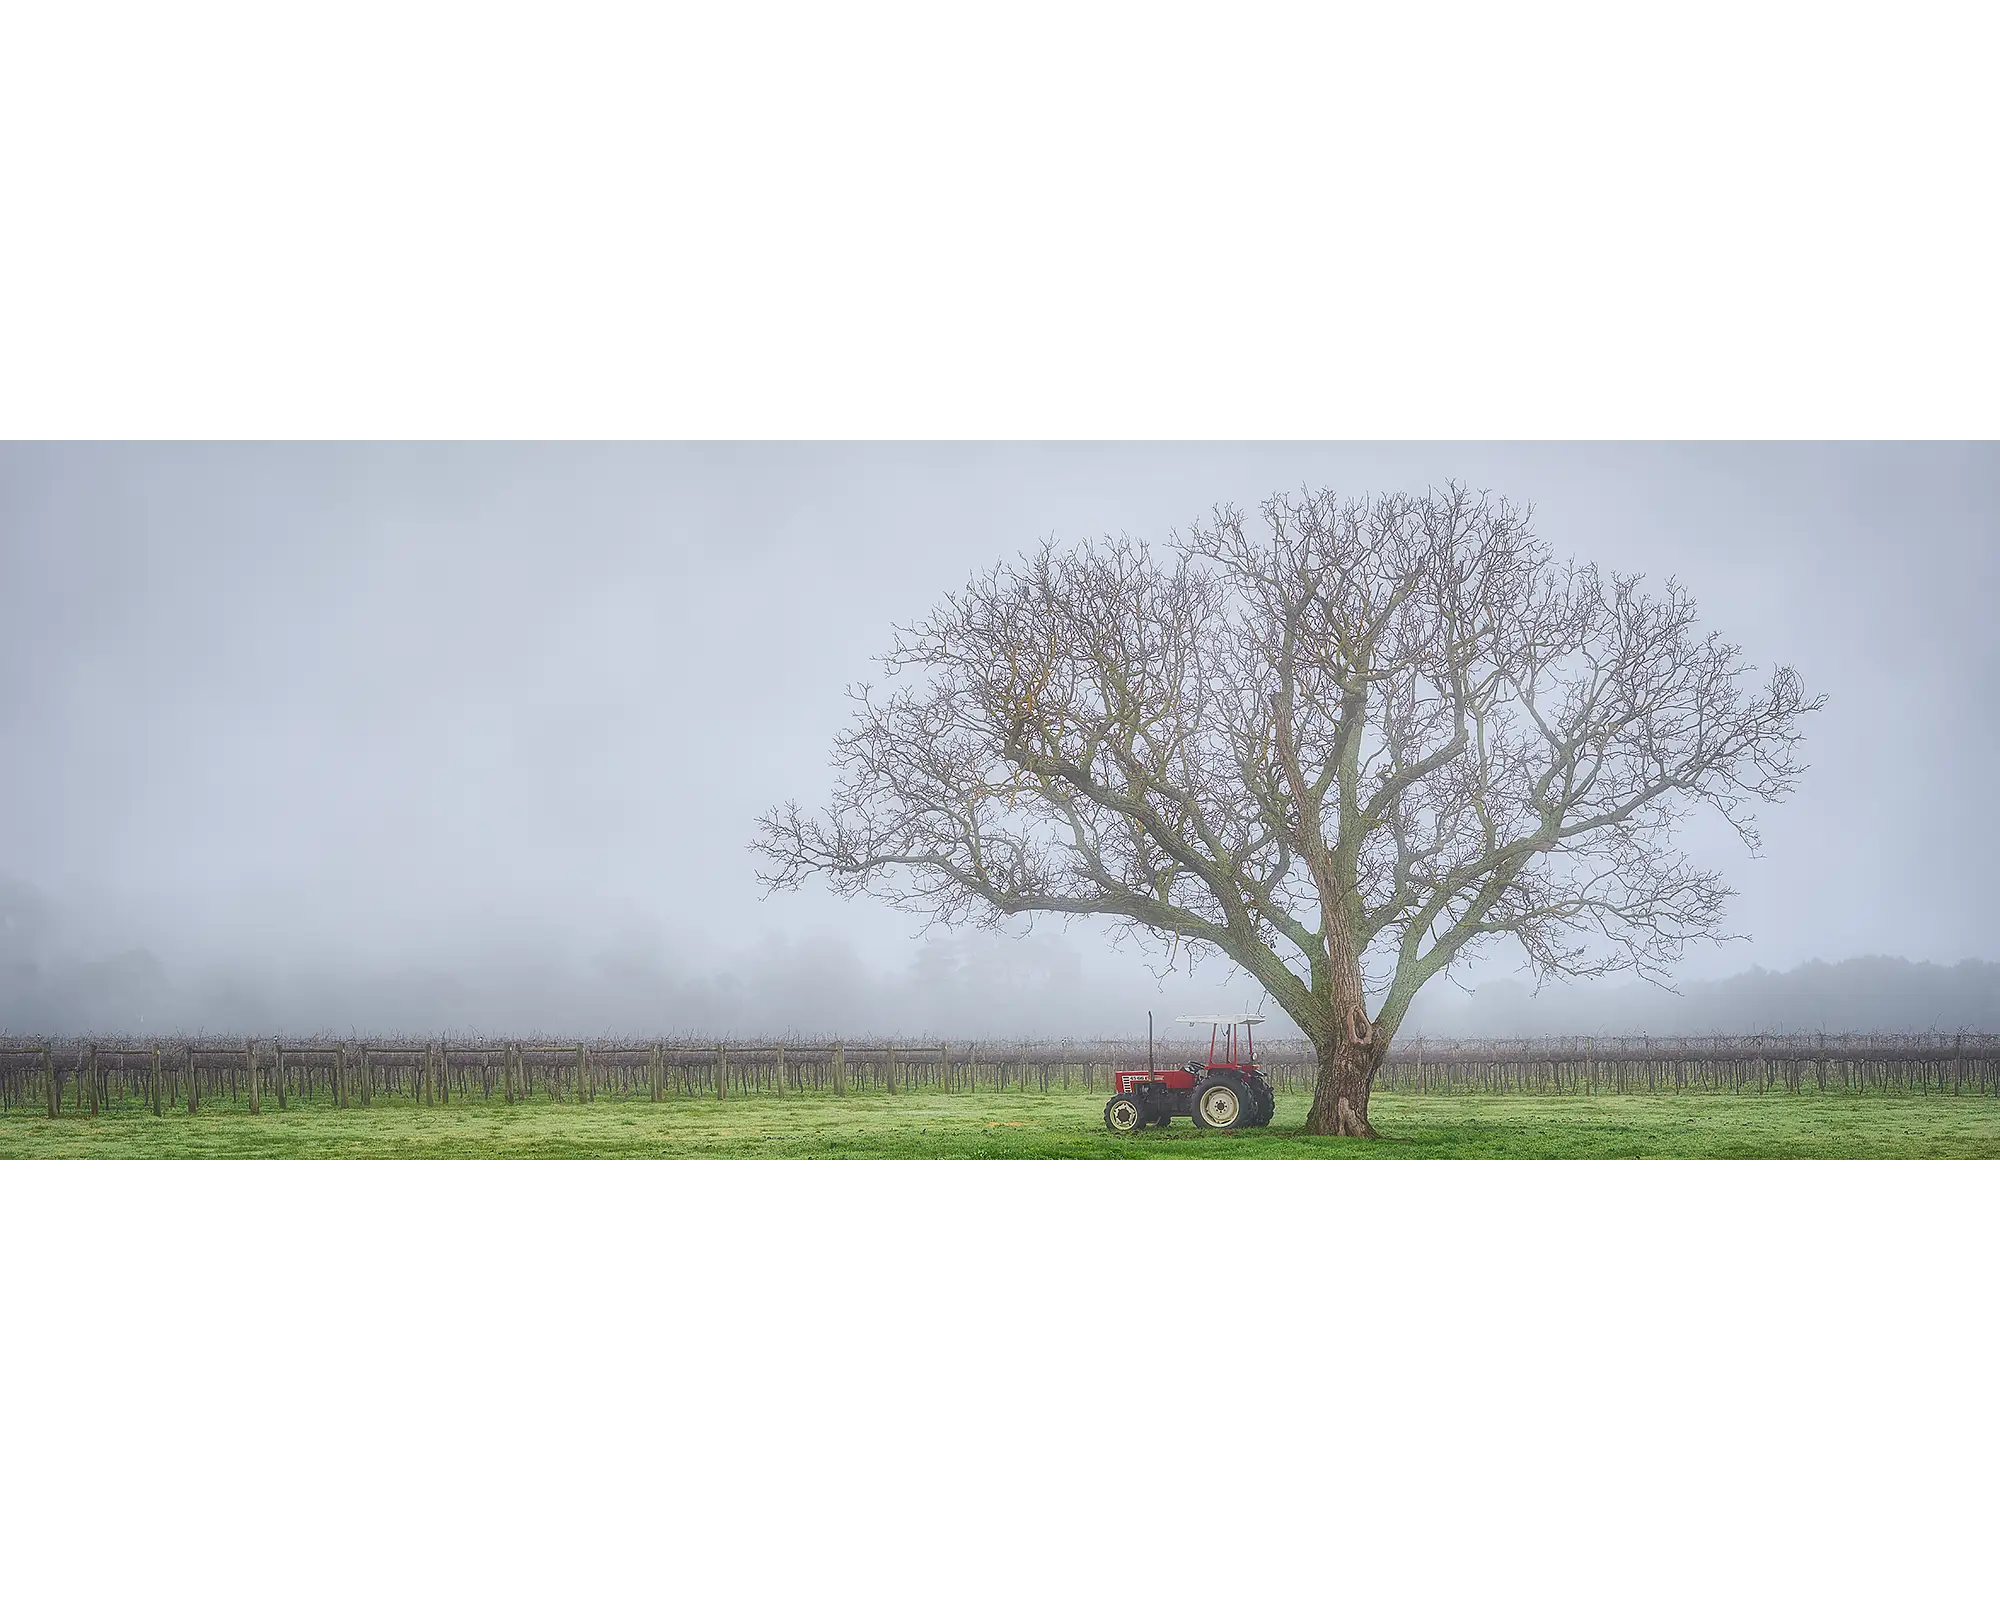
(468, 715)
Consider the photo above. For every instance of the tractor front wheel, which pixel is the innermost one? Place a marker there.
(1220, 1104)
(1122, 1114)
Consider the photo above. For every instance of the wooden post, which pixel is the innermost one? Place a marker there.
(889, 1069)
(653, 1071)
(582, 1065)
(88, 1066)
(50, 1083)
(781, 1071)
(944, 1067)
(721, 1073)
(153, 1081)
(194, 1083)
(839, 1068)
(278, 1069)
(250, 1068)
(340, 1073)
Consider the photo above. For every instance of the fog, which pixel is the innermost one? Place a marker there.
(473, 737)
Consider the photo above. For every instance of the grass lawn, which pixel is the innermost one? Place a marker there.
(1013, 1125)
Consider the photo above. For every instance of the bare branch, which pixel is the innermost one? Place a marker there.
(1343, 746)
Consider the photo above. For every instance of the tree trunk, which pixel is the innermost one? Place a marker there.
(1340, 1095)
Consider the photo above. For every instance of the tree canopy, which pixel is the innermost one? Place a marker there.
(1344, 743)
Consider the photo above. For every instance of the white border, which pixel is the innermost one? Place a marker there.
(1074, 220)
(900, 1379)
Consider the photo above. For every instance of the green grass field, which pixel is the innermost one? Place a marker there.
(1010, 1125)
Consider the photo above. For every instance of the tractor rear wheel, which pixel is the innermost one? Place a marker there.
(1122, 1114)
(1265, 1107)
(1221, 1104)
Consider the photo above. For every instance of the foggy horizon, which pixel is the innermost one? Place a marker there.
(967, 986)
(334, 736)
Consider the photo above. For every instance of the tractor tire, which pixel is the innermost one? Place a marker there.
(1266, 1106)
(1122, 1114)
(1221, 1104)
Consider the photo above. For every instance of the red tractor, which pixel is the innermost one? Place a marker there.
(1229, 1090)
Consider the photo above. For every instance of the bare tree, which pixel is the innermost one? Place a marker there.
(1344, 748)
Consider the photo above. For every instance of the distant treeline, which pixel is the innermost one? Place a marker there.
(1861, 994)
(57, 1077)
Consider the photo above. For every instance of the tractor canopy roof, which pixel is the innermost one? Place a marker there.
(1219, 1020)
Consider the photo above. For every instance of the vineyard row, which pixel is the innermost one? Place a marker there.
(71, 1077)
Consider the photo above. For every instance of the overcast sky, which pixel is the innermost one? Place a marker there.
(439, 714)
